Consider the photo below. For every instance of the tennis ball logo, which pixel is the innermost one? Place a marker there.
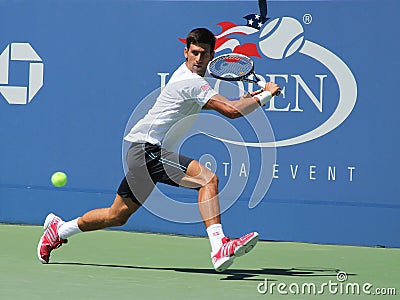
(281, 38)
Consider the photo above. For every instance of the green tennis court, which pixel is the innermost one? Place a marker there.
(126, 265)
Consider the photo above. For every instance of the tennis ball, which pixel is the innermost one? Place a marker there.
(281, 38)
(59, 179)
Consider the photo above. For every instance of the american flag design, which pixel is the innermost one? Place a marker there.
(235, 38)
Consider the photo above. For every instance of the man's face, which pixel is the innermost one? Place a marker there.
(198, 57)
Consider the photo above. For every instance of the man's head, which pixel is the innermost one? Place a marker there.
(200, 36)
(199, 50)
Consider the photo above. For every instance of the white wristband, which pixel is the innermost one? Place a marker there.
(264, 97)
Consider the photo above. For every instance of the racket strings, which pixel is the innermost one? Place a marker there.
(230, 67)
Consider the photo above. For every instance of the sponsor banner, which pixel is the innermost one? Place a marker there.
(74, 78)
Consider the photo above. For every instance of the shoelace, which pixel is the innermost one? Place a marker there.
(59, 243)
(56, 244)
(229, 246)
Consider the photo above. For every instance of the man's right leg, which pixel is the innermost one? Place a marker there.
(56, 231)
(132, 192)
(115, 215)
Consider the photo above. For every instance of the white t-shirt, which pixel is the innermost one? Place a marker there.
(184, 96)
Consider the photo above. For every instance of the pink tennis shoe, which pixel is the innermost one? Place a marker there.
(50, 239)
(230, 249)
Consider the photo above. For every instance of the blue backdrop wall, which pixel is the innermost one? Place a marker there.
(317, 164)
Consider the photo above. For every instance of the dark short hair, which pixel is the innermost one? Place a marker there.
(201, 36)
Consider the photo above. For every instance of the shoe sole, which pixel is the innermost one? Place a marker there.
(46, 224)
(225, 264)
(247, 247)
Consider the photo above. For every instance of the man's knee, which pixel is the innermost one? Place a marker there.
(119, 213)
(208, 178)
(213, 180)
(118, 218)
(198, 176)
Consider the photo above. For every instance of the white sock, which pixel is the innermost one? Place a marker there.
(68, 229)
(215, 234)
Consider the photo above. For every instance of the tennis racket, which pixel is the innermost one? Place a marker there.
(235, 67)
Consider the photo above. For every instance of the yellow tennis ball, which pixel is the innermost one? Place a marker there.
(59, 179)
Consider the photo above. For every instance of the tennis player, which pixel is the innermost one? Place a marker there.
(186, 94)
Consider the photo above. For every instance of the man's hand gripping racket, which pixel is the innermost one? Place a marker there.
(238, 67)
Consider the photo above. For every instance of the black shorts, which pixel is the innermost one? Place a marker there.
(147, 165)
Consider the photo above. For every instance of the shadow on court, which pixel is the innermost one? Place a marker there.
(232, 274)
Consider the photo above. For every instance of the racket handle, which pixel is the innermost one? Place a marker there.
(263, 83)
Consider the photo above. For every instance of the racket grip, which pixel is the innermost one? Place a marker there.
(263, 83)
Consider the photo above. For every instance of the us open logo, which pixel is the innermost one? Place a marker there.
(279, 39)
(22, 52)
